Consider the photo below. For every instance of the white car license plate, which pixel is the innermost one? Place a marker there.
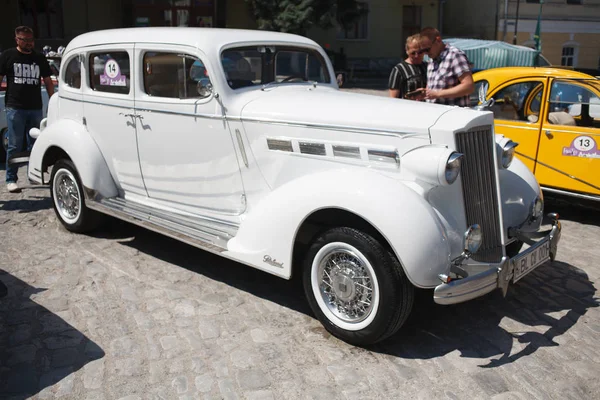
(529, 261)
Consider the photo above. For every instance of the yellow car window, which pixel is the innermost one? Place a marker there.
(517, 101)
(576, 103)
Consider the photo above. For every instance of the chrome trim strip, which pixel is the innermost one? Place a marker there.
(242, 148)
(572, 194)
(110, 105)
(145, 222)
(342, 128)
(385, 156)
(346, 151)
(316, 149)
(559, 171)
(206, 116)
(280, 145)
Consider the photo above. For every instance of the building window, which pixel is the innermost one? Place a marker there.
(359, 29)
(411, 21)
(174, 13)
(568, 56)
(43, 16)
(573, 1)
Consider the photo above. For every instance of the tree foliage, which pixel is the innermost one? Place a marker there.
(297, 16)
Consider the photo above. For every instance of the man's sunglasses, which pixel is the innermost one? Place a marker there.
(417, 52)
(26, 40)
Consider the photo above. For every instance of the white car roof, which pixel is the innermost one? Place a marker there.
(207, 39)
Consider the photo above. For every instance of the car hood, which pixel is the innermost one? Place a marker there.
(325, 107)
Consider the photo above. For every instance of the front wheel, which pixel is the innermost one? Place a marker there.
(68, 201)
(356, 287)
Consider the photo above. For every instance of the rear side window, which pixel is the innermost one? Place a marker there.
(173, 75)
(110, 72)
(73, 73)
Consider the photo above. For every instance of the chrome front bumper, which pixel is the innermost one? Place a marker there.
(498, 276)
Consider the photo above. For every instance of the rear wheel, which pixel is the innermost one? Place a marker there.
(356, 287)
(68, 200)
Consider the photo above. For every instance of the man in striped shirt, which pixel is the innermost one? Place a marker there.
(449, 78)
(409, 78)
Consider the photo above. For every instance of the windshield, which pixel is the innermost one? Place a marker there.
(259, 65)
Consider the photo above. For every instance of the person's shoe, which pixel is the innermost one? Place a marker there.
(12, 187)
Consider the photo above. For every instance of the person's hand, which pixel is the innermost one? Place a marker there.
(418, 95)
(432, 94)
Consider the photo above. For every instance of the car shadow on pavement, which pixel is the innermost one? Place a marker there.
(37, 348)
(26, 205)
(289, 294)
(541, 307)
(538, 309)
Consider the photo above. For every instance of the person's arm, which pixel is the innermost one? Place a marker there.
(49, 86)
(394, 84)
(464, 88)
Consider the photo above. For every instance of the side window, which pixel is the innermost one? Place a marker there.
(573, 104)
(518, 102)
(110, 72)
(73, 73)
(174, 75)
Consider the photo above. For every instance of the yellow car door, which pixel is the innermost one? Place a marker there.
(517, 107)
(569, 149)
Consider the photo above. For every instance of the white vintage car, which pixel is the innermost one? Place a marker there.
(241, 143)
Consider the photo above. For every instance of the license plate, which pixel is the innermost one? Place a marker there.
(530, 260)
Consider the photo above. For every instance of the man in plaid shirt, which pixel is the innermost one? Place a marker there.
(449, 79)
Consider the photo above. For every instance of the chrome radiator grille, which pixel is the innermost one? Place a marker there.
(480, 189)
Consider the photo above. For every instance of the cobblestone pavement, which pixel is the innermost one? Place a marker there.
(129, 314)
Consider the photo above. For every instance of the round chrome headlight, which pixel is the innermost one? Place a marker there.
(508, 153)
(473, 238)
(453, 167)
(537, 208)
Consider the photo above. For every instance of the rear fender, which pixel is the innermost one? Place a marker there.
(72, 138)
(409, 224)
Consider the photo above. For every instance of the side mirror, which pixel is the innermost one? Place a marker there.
(204, 87)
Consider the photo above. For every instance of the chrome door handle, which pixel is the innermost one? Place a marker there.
(549, 134)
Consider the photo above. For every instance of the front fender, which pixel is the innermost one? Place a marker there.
(404, 218)
(73, 138)
(519, 188)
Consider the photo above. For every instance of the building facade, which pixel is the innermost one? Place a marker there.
(570, 29)
(372, 45)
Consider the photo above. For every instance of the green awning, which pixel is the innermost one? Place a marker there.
(485, 54)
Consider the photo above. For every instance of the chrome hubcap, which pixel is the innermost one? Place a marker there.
(346, 285)
(66, 195)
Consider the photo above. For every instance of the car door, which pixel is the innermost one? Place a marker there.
(569, 151)
(109, 114)
(187, 156)
(517, 106)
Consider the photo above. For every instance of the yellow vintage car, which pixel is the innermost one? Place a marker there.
(554, 115)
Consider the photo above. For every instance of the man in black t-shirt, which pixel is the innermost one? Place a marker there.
(24, 69)
(408, 79)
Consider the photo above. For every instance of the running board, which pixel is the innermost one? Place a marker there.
(208, 234)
